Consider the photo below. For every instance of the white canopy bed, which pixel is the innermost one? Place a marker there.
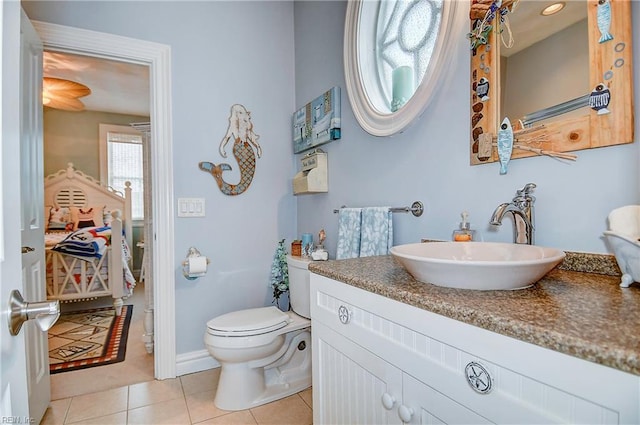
(88, 236)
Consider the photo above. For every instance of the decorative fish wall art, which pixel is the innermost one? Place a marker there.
(599, 99)
(604, 20)
(505, 144)
(482, 90)
(245, 140)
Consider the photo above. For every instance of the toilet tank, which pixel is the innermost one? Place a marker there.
(299, 293)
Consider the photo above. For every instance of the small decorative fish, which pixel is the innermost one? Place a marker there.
(599, 99)
(604, 20)
(482, 90)
(505, 144)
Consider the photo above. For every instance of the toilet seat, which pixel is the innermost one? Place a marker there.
(253, 321)
(264, 354)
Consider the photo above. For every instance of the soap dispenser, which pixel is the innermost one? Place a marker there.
(464, 233)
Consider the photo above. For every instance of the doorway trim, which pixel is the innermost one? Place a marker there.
(158, 57)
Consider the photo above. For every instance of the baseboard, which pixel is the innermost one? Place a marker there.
(194, 361)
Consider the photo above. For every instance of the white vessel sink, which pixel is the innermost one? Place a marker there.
(477, 265)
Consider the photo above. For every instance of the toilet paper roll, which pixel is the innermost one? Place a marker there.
(197, 266)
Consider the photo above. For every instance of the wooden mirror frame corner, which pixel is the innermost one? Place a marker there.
(586, 131)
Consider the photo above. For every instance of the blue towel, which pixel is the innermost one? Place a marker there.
(348, 233)
(376, 231)
(364, 232)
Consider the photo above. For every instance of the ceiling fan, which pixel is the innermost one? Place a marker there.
(63, 94)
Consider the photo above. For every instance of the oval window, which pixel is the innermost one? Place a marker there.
(394, 53)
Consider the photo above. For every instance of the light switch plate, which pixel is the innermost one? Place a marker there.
(191, 207)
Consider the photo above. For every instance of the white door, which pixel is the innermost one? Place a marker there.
(421, 404)
(13, 376)
(25, 375)
(32, 220)
(350, 384)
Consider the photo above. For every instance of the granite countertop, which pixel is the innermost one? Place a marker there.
(582, 313)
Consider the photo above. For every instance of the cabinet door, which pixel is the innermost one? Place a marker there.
(350, 384)
(423, 405)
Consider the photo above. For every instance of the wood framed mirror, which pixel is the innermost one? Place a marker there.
(602, 116)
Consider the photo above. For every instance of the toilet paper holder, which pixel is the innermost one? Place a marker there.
(190, 262)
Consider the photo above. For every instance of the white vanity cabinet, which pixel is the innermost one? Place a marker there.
(354, 386)
(377, 361)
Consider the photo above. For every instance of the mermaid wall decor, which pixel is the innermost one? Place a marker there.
(245, 140)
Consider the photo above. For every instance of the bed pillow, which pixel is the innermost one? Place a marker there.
(58, 219)
(90, 216)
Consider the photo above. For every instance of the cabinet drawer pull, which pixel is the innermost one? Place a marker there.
(344, 314)
(388, 401)
(405, 413)
(478, 378)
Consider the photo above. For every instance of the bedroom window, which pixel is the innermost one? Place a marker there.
(121, 160)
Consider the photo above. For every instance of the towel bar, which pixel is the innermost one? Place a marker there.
(417, 208)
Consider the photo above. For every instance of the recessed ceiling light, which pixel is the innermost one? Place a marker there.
(552, 9)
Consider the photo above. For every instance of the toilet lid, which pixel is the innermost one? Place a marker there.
(253, 321)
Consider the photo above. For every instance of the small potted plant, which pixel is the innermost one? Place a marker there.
(279, 274)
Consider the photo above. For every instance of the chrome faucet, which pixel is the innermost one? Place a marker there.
(521, 208)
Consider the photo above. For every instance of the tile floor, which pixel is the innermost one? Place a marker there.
(136, 368)
(185, 400)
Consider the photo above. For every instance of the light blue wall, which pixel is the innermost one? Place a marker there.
(243, 52)
(430, 160)
(222, 53)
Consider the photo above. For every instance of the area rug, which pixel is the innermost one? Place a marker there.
(88, 338)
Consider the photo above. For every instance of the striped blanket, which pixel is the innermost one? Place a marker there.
(89, 242)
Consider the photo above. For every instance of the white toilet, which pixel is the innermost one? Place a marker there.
(264, 353)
